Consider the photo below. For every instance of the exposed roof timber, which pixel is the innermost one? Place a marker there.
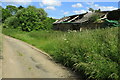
(69, 18)
(105, 16)
(80, 18)
(73, 19)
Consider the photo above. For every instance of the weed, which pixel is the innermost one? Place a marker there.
(92, 52)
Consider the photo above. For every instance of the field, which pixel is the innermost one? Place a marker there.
(93, 53)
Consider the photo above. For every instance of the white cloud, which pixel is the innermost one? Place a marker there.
(13, 4)
(41, 5)
(51, 2)
(103, 8)
(50, 8)
(80, 11)
(21, 2)
(77, 5)
(65, 13)
(16, 0)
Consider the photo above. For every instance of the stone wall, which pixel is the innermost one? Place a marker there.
(76, 26)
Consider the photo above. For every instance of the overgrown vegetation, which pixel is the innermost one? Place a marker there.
(93, 53)
(26, 19)
(94, 17)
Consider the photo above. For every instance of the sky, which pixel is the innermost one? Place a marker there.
(60, 8)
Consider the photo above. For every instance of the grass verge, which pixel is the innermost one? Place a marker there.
(93, 52)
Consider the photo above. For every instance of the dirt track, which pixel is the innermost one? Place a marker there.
(20, 60)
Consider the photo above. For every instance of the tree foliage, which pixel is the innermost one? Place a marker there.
(0, 14)
(94, 17)
(11, 22)
(5, 14)
(47, 23)
(12, 9)
(92, 10)
(29, 19)
(8, 12)
(20, 7)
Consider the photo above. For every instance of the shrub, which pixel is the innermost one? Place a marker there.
(94, 17)
(11, 22)
(28, 19)
(47, 23)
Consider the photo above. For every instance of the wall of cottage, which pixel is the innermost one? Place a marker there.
(76, 26)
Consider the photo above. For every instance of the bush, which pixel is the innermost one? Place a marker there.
(29, 19)
(5, 14)
(94, 17)
(11, 22)
(48, 23)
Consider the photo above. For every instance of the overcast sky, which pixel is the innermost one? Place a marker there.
(60, 8)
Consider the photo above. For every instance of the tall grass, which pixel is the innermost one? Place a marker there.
(92, 52)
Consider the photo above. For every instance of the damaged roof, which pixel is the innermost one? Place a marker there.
(80, 18)
(70, 19)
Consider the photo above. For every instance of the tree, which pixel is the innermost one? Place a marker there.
(12, 9)
(5, 14)
(12, 22)
(91, 9)
(1, 13)
(41, 13)
(97, 10)
(48, 23)
(20, 7)
(0, 7)
(29, 18)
